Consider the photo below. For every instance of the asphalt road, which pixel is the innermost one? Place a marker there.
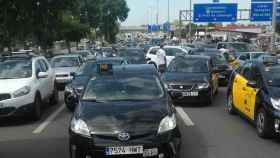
(208, 132)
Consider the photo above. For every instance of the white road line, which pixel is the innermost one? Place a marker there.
(184, 116)
(43, 125)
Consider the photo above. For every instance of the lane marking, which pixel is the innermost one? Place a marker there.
(184, 116)
(43, 125)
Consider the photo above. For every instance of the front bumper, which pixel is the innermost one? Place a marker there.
(203, 96)
(16, 106)
(168, 145)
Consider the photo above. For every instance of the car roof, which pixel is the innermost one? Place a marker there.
(67, 56)
(135, 69)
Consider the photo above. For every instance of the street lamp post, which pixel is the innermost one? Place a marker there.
(190, 22)
(157, 18)
(274, 21)
(168, 11)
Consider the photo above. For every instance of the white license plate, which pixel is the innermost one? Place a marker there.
(124, 150)
(190, 94)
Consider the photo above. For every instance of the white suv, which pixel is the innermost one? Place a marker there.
(171, 53)
(25, 83)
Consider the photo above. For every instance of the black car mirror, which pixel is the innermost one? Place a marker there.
(252, 84)
(73, 74)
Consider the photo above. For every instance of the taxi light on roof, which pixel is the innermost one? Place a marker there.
(105, 68)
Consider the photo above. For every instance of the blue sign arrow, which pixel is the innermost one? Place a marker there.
(220, 12)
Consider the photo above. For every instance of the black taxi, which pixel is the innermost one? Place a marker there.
(191, 79)
(124, 113)
(254, 92)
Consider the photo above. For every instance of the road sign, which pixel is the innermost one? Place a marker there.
(149, 28)
(261, 1)
(263, 12)
(216, 1)
(166, 27)
(220, 12)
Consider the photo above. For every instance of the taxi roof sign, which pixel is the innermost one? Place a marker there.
(104, 68)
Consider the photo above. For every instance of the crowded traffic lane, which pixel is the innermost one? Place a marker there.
(208, 132)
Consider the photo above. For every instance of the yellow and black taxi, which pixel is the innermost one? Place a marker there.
(191, 79)
(124, 113)
(254, 92)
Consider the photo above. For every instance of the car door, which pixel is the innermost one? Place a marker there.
(239, 89)
(50, 78)
(41, 83)
(251, 92)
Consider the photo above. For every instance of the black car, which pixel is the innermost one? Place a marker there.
(220, 64)
(254, 92)
(123, 113)
(191, 79)
(133, 55)
(81, 78)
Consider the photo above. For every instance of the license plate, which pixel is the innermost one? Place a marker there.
(190, 94)
(150, 152)
(124, 150)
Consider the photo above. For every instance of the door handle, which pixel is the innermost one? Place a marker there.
(244, 89)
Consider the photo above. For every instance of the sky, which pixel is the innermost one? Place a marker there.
(144, 11)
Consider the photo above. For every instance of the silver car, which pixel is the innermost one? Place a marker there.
(65, 66)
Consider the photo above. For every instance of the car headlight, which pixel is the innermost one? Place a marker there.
(80, 127)
(22, 92)
(202, 85)
(167, 124)
(275, 103)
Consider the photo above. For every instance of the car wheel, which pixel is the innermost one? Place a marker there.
(75, 153)
(211, 98)
(264, 124)
(230, 106)
(55, 96)
(36, 112)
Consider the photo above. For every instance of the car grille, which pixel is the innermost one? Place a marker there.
(61, 75)
(182, 87)
(7, 111)
(5, 96)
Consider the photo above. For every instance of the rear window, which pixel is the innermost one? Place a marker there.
(190, 65)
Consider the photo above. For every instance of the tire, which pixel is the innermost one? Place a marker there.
(36, 112)
(55, 97)
(264, 124)
(211, 98)
(230, 105)
(76, 154)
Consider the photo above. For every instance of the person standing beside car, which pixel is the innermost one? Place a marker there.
(161, 56)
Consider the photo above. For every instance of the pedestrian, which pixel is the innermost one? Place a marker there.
(161, 57)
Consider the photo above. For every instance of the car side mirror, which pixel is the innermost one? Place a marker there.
(252, 84)
(73, 74)
(42, 75)
(148, 59)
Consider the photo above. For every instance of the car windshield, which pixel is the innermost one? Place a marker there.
(87, 69)
(13, 69)
(124, 88)
(272, 75)
(65, 62)
(191, 65)
(240, 47)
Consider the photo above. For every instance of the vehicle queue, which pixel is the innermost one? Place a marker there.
(124, 109)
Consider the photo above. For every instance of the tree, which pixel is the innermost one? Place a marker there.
(71, 30)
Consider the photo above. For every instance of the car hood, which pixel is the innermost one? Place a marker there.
(274, 91)
(12, 85)
(133, 117)
(65, 70)
(185, 77)
(80, 81)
